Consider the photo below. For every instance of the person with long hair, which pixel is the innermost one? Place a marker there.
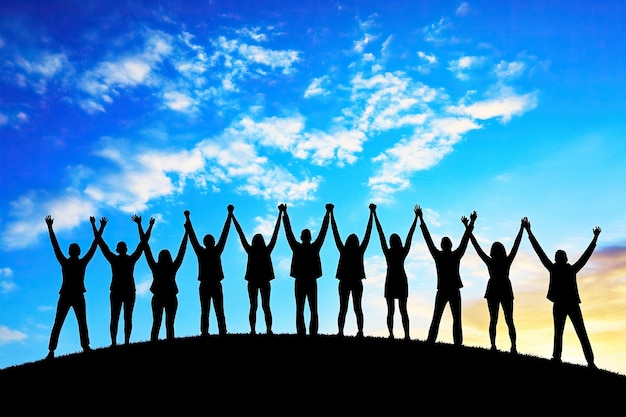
(396, 280)
(499, 291)
(259, 272)
(351, 271)
(164, 288)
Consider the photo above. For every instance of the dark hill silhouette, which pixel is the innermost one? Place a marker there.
(282, 374)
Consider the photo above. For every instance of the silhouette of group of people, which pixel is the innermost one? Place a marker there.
(306, 268)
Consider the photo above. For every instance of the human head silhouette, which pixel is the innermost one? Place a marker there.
(560, 257)
(258, 241)
(121, 248)
(165, 257)
(395, 241)
(209, 241)
(305, 236)
(74, 250)
(352, 241)
(446, 243)
(497, 250)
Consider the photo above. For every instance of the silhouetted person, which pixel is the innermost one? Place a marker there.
(259, 272)
(72, 292)
(164, 289)
(210, 273)
(396, 281)
(306, 268)
(563, 292)
(449, 284)
(122, 288)
(499, 289)
(351, 271)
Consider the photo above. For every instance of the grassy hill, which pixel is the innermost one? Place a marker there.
(283, 374)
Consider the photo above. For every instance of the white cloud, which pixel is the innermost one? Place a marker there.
(126, 72)
(388, 101)
(47, 65)
(6, 283)
(340, 145)
(68, 211)
(463, 9)
(253, 33)
(279, 185)
(273, 58)
(509, 69)
(460, 66)
(91, 106)
(503, 106)
(178, 101)
(4, 119)
(316, 88)
(431, 59)
(423, 150)
(8, 335)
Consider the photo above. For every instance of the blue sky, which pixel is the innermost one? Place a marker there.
(511, 109)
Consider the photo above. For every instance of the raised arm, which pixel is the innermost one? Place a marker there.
(108, 254)
(333, 226)
(53, 239)
(409, 236)
(533, 241)
(98, 235)
(516, 242)
(368, 228)
(587, 254)
(427, 238)
(144, 239)
(469, 227)
(192, 234)
(381, 234)
(242, 237)
(141, 245)
(221, 243)
(291, 239)
(319, 241)
(481, 253)
(181, 251)
(274, 238)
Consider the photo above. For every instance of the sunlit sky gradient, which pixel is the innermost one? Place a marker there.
(508, 108)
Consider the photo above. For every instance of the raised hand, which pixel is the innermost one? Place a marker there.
(136, 219)
(282, 207)
(372, 207)
(151, 221)
(92, 219)
(465, 220)
(230, 208)
(526, 223)
(596, 230)
(186, 213)
(474, 215)
(418, 211)
(330, 207)
(49, 220)
(103, 221)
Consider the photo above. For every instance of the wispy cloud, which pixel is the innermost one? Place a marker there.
(503, 105)
(8, 335)
(461, 66)
(316, 88)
